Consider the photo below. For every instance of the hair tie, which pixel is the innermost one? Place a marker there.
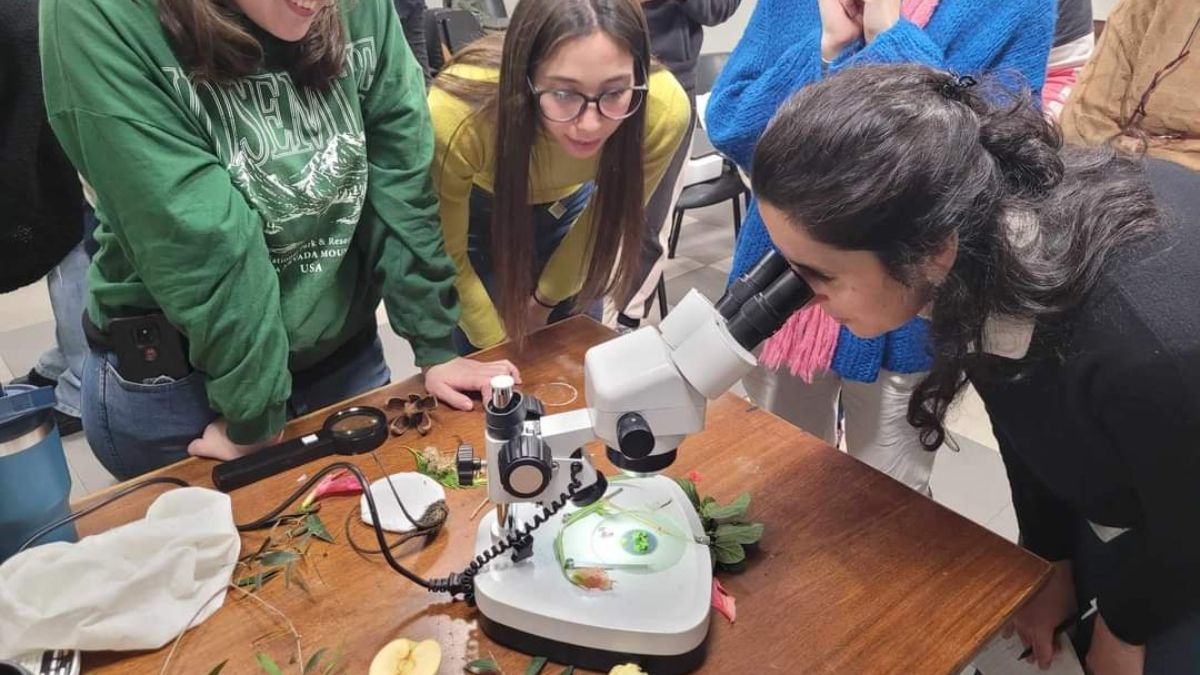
(956, 88)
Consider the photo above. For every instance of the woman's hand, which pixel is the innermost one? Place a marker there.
(448, 381)
(1110, 655)
(841, 24)
(215, 443)
(1036, 622)
(878, 16)
(537, 314)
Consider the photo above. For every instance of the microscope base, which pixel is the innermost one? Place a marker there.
(655, 614)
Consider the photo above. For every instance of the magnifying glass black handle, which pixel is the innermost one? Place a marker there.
(269, 461)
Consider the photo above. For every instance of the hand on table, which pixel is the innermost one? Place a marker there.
(215, 443)
(1110, 655)
(448, 381)
(1036, 622)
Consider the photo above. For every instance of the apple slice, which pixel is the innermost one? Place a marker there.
(405, 657)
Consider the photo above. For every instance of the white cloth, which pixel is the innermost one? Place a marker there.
(136, 586)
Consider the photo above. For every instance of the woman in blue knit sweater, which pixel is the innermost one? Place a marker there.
(814, 362)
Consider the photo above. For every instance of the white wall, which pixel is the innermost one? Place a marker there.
(719, 39)
(723, 38)
(1101, 8)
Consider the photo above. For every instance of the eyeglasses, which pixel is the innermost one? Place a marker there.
(1139, 113)
(564, 105)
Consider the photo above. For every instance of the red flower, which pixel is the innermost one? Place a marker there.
(723, 602)
(695, 476)
(340, 482)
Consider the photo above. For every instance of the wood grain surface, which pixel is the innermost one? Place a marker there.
(855, 574)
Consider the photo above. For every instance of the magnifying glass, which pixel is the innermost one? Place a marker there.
(351, 431)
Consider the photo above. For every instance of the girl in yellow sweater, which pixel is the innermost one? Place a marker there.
(547, 146)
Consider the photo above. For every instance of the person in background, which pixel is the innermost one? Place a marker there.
(1140, 89)
(412, 20)
(1074, 42)
(676, 38)
(815, 364)
(262, 181)
(548, 146)
(43, 206)
(1061, 283)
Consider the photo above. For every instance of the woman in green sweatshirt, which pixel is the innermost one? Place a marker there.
(261, 169)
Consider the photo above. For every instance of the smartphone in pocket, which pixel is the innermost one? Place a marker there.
(148, 347)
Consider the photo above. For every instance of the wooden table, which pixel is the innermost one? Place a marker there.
(856, 573)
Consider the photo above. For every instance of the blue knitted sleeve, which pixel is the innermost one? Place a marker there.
(779, 53)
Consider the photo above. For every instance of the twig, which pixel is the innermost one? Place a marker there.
(291, 627)
(479, 508)
(186, 628)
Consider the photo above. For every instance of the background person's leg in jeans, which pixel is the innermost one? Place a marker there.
(67, 283)
(551, 224)
(363, 372)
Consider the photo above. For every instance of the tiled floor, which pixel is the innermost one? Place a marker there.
(971, 481)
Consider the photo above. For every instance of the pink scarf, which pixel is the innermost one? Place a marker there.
(807, 341)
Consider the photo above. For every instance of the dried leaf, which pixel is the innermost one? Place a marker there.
(314, 661)
(279, 558)
(738, 533)
(256, 580)
(483, 667)
(723, 514)
(729, 554)
(268, 664)
(536, 666)
(220, 666)
(313, 521)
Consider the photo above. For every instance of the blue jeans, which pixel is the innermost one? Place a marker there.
(63, 362)
(548, 231)
(134, 428)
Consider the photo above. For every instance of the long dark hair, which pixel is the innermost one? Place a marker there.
(898, 160)
(537, 27)
(212, 41)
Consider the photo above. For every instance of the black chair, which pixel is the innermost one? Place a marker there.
(492, 14)
(726, 187)
(446, 32)
(460, 28)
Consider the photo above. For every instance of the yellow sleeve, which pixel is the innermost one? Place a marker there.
(668, 114)
(459, 155)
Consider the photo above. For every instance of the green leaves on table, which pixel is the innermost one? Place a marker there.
(283, 550)
(725, 524)
(489, 666)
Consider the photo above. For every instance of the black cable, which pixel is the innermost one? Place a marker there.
(72, 517)
(268, 520)
(464, 582)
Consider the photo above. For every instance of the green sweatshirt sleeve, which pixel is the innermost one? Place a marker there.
(400, 225)
(188, 234)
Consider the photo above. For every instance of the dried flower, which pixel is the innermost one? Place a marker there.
(415, 412)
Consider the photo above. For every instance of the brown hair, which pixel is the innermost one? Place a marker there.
(537, 28)
(212, 41)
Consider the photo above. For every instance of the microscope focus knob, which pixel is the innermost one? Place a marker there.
(634, 436)
(467, 465)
